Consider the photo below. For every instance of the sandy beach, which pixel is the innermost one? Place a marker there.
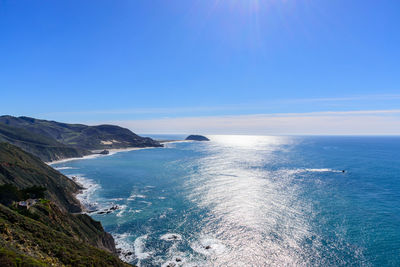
(111, 151)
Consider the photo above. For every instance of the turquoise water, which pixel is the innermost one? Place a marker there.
(250, 201)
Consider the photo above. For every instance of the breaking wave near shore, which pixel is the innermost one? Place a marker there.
(235, 201)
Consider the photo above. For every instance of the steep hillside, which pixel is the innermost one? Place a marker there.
(46, 148)
(81, 136)
(23, 170)
(29, 242)
(46, 233)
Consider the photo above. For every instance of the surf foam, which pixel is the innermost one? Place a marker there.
(86, 195)
(208, 246)
(171, 237)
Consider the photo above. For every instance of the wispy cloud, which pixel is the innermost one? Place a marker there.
(363, 122)
(337, 113)
(348, 98)
(150, 110)
(237, 108)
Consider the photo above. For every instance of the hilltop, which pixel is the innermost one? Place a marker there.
(46, 148)
(51, 140)
(195, 137)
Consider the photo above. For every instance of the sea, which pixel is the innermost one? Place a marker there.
(249, 201)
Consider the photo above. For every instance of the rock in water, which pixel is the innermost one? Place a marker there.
(104, 152)
(197, 138)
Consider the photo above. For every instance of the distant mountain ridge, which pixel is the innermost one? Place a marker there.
(51, 140)
(47, 149)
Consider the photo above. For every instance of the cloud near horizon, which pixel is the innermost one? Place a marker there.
(299, 102)
(365, 122)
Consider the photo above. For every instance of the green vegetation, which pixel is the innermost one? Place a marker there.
(46, 233)
(23, 170)
(52, 140)
(46, 148)
(30, 242)
(12, 258)
(10, 193)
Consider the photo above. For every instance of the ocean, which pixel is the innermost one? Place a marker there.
(249, 201)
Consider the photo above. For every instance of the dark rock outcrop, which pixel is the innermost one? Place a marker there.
(197, 138)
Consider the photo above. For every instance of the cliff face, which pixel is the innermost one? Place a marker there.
(46, 232)
(26, 241)
(78, 137)
(79, 226)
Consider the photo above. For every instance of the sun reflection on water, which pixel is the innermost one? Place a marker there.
(255, 213)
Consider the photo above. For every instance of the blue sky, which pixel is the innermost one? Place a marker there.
(198, 65)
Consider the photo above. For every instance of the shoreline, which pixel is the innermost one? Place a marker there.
(113, 151)
(173, 141)
(85, 188)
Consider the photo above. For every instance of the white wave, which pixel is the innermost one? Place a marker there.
(139, 246)
(135, 196)
(134, 211)
(117, 199)
(297, 171)
(208, 246)
(322, 170)
(86, 195)
(171, 237)
(72, 159)
(124, 246)
(64, 168)
(161, 197)
(122, 209)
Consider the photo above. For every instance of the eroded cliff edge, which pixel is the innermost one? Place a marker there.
(49, 229)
